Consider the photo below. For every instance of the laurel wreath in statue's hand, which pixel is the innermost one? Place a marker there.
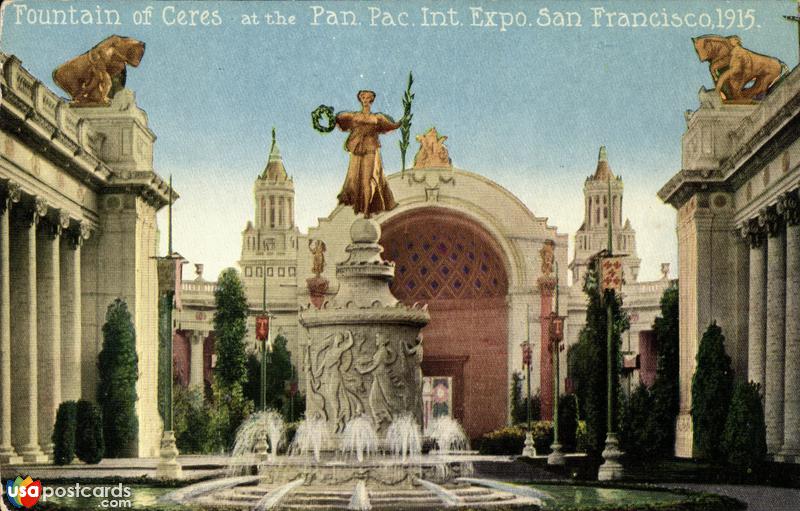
(318, 114)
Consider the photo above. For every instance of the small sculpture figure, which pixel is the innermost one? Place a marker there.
(381, 394)
(432, 151)
(548, 257)
(365, 187)
(341, 404)
(93, 78)
(732, 67)
(317, 248)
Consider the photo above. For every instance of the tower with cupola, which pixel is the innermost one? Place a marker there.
(270, 240)
(602, 206)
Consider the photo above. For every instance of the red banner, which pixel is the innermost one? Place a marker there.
(262, 327)
(612, 274)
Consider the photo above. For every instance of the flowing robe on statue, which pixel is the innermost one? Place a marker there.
(365, 187)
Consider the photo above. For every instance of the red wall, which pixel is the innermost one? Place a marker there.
(452, 264)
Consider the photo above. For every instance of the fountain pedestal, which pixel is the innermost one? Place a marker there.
(168, 466)
(364, 350)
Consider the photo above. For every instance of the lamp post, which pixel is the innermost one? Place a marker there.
(610, 280)
(556, 457)
(262, 335)
(529, 449)
(168, 270)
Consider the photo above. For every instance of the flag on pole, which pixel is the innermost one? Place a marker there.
(611, 274)
(262, 327)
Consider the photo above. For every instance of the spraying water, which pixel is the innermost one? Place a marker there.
(448, 498)
(259, 425)
(404, 438)
(449, 435)
(194, 491)
(311, 436)
(359, 439)
(359, 501)
(273, 499)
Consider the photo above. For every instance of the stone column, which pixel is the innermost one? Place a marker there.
(48, 285)
(24, 337)
(776, 331)
(71, 310)
(547, 285)
(790, 207)
(7, 453)
(757, 316)
(198, 339)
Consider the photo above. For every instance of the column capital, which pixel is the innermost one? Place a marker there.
(752, 232)
(12, 195)
(789, 207)
(78, 235)
(40, 207)
(769, 219)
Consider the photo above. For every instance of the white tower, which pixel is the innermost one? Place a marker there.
(269, 247)
(592, 236)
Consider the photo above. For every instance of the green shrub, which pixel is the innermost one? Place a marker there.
(568, 421)
(64, 433)
(191, 421)
(745, 438)
(665, 389)
(712, 386)
(511, 440)
(89, 445)
(116, 388)
(638, 430)
(230, 406)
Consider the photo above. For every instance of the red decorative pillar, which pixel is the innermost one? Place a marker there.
(547, 286)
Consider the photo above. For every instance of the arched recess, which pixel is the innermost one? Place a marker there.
(453, 264)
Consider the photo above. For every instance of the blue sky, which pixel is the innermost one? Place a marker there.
(527, 107)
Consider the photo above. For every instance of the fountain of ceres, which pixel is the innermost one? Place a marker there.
(364, 349)
(360, 445)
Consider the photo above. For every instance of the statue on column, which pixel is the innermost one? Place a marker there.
(733, 67)
(93, 78)
(365, 187)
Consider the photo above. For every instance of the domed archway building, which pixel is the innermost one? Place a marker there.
(469, 249)
(463, 245)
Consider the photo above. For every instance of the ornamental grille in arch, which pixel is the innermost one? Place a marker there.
(445, 260)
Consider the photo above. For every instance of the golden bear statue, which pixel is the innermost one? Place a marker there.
(740, 75)
(93, 78)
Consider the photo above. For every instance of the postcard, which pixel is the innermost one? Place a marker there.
(399, 255)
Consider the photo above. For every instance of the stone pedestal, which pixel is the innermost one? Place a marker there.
(556, 457)
(168, 466)
(125, 246)
(611, 469)
(530, 446)
(364, 351)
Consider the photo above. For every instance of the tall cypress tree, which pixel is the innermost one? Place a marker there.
(230, 328)
(118, 370)
(231, 406)
(712, 386)
(666, 386)
(587, 360)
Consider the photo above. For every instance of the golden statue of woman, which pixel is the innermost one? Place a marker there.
(365, 187)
